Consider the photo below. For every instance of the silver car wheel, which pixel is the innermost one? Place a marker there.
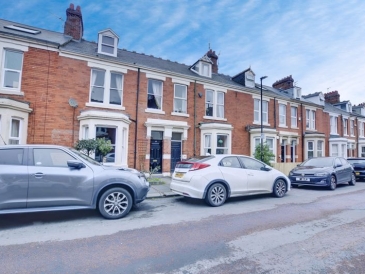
(115, 203)
(279, 188)
(217, 195)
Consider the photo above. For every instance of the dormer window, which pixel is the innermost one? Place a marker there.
(203, 67)
(108, 43)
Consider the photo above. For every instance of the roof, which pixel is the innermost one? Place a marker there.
(44, 36)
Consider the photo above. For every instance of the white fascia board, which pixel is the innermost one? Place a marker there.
(107, 66)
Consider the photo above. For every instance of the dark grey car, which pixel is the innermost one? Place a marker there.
(323, 172)
(46, 178)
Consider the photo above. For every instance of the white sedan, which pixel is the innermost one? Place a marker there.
(218, 177)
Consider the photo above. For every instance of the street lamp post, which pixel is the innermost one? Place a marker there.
(262, 134)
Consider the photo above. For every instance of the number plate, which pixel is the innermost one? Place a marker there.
(179, 175)
(303, 179)
(357, 173)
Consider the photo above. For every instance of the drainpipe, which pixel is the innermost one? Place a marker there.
(136, 123)
(274, 113)
(194, 118)
(303, 145)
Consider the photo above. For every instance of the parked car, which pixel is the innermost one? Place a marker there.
(218, 177)
(110, 157)
(323, 172)
(48, 178)
(359, 167)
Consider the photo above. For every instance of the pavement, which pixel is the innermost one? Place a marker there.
(160, 187)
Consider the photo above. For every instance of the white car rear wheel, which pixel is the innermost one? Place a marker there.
(216, 195)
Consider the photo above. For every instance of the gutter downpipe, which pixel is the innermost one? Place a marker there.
(194, 149)
(136, 122)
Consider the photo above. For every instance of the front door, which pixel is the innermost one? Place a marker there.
(175, 153)
(156, 156)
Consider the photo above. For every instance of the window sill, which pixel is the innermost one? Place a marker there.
(11, 91)
(294, 127)
(152, 110)
(283, 126)
(180, 114)
(100, 105)
(214, 118)
(259, 123)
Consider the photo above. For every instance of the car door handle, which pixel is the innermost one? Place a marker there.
(38, 175)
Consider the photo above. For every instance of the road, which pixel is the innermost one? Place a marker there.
(308, 231)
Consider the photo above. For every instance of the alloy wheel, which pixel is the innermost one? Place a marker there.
(115, 203)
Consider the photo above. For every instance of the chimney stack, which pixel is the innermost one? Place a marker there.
(214, 57)
(74, 26)
(285, 83)
(332, 97)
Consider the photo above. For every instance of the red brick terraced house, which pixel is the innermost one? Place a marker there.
(57, 88)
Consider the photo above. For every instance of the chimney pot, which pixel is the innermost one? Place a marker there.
(74, 25)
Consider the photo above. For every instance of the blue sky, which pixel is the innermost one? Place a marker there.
(321, 43)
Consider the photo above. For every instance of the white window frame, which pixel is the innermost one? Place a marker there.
(101, 44)
(224, 148)
(352, 127)
(334, 152)
(310, 119)
(108, 119)
(108, 70)
(107, 87)
(4, 70)
(207, 144)
(345, 127)
(265, 116)
(282, 115)
(312, 150)
(149, 93)
(319, 148)
(333, 124)
(361, 129)
(203, 68)
(183, 99)
(15, 139)
(215, 104)
(214, 130)
(294, 116)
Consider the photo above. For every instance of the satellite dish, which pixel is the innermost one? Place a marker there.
(73, 103)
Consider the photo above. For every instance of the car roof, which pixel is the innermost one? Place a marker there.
(33, 145)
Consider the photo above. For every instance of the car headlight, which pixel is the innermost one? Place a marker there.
(321, 174)
(291, 173)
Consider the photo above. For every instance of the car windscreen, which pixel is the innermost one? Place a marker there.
(85, 157)
(319, 162)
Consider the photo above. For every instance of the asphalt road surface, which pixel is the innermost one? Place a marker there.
(308, 231)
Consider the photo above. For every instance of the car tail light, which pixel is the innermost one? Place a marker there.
(197, 166)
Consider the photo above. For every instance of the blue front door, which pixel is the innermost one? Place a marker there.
(175, 153)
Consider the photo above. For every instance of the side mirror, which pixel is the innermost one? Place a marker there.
(338, 165)
(75, 164)
(266, 168)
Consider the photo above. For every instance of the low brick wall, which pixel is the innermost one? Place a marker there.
(285, 167)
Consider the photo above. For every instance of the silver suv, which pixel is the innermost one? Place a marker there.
(37, 178)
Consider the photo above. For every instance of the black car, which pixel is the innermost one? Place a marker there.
(359, 167)
(324, 172)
